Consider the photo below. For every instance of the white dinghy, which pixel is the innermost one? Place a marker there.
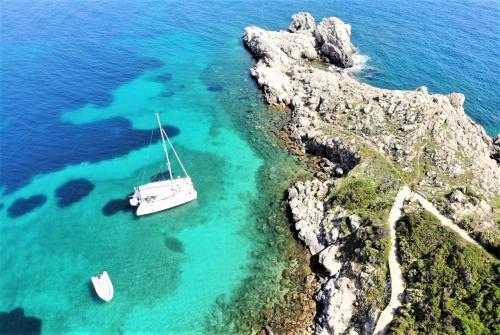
(164, 194)
(103, 286)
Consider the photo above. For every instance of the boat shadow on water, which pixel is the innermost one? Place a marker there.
(119, 205)
(16, 322)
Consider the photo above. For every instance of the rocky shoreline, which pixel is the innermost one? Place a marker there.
(367, 142)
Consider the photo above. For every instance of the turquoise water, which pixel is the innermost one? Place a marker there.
(80, 84)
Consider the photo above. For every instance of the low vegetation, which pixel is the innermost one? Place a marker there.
(369, 244)
(451, 286)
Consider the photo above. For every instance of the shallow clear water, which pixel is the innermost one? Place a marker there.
(80, 83)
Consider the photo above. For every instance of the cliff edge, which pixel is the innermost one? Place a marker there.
(367, 142)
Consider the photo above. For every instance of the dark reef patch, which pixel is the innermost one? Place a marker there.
(25, 205)
(15, 322)
(68, 144)
(215, 88)
(174, 244)
(163, 77)
(167, 94)
(73, 191)
(115, 206)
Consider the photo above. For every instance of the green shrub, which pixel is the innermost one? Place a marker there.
(363, 197)
(355, 193)
(458, 293)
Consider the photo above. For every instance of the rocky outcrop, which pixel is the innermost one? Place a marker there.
(318, 226)
(425, 134)
(334, 40)
(315, 225)
(337, 299)
(302, 22)
(329, 258)
(462, 204)
(425, 137)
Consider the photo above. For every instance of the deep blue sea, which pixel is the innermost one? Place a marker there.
(80, 82)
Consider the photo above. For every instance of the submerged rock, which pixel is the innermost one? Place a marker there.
(23, 206)
(73, 191)
(16, 322)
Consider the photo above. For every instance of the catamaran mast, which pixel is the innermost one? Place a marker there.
(164, 146)
(175, 153)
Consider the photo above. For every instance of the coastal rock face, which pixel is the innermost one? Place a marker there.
(278, 50)
(315, 226)
(342, 157)
(334, 40)
(329, 259)
(337, 298)
(418, 137)
(428, 135)
(302, 22)
(333, 37)
(318, 226)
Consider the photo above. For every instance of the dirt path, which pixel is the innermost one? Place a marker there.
(428, 206)
(397, 287)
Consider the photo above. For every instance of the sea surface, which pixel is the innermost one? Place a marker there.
(80, 83)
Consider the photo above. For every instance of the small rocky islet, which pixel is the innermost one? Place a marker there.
(365, 144)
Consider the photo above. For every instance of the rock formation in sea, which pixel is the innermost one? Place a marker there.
(370, 141)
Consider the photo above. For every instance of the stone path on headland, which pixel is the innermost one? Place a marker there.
(397, 286)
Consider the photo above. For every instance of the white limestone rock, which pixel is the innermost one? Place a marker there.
(302, 22)
(354, 222)
(337, 298)
(403, 125)
(334, 40)
(315, 225)
(408, 127)
(329, 259)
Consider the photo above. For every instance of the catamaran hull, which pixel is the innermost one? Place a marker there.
(161, 195)
(162, 205)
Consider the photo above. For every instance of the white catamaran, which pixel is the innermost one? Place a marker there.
(160, 195)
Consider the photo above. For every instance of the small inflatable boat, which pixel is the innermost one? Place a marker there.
(103, 286)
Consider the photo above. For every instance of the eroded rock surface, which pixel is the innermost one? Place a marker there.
(337, 298)
(315, 226)
(425, 139)
(302, 22)
(334, 40)
(428, 135)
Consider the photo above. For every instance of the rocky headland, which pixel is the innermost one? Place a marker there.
(365, 143)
